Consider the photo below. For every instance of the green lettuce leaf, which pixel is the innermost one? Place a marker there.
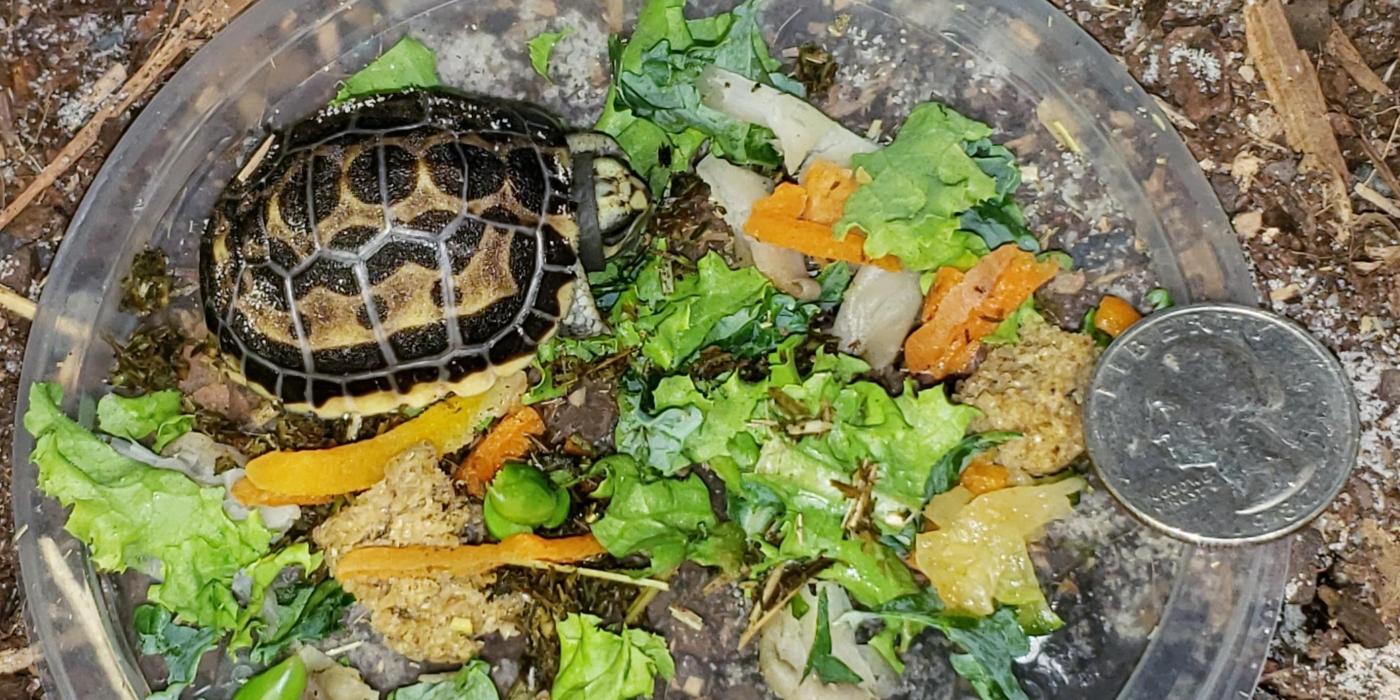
(180, 646)
(408, 64)
(653, 107)
(302, 612)
(987, 646)
(662, 519)
(739, 311)
(135, 418)
(134, 516)
(595, 664)
(262, 573)
(541, 47)
(920, 185)
(471, 682)
(827, 667)
(1008, 332)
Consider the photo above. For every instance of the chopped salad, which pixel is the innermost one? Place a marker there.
(824, 419)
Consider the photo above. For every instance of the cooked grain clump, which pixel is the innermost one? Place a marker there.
(1036, 388)
(435, 618)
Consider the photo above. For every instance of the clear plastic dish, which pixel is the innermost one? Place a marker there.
(1147, 618)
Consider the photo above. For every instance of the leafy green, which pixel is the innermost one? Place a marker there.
(561, 361)
(1159, 298)
(471, 682)
(262, 574)
(942, 477)
(180, 646)
(656, 440)
(1088, 328)
(788, 488)
(542, 46)
(134, 516)
(920, 185)
(828, 668)
(407, 64)
(945, 473)
(595, 664)
(998, 223)
(653, 107)
(137, 417)
(988, 646)
(869, 570)
(302, 612)
(662, 518)
(740, 311)
(1008, 332)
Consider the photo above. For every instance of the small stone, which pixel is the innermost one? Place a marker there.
(1310, 22)
(18, 270)
(1282, 170)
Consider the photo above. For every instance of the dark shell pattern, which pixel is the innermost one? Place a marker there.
(390, 242)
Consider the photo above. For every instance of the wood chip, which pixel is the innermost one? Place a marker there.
(1339, 46)
(1382, 202)
(17, 303)
(1293, 88)
(15, 660)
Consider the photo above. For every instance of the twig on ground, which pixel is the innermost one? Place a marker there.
(1340, 47)
(187, 35)
(1293, 88)
(1382, 202)
(17, 303)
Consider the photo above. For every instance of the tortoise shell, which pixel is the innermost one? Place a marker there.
(392, 250)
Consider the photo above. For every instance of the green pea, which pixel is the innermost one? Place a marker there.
(285, 681)
(523, 494)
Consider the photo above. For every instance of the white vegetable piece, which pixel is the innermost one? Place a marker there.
(803, 131)
(787, 641)
(878, 312)
(329, 680)
(735, 190)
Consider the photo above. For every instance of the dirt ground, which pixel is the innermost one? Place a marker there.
(1340, 630)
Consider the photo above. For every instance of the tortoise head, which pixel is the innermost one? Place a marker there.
(613, 200)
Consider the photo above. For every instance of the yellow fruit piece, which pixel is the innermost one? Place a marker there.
(977, 557)
(448, 425)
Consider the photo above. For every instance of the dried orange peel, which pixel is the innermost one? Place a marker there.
(1114, 315)
(466, 560)
(251, 496)
(510, 439)
(801, 218)
(316, 474)
(973, 307)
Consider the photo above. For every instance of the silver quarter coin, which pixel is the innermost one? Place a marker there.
(1221, 424)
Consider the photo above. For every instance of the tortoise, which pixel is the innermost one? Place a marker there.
(398, 248)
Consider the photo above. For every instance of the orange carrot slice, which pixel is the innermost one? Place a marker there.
(466, 560)
(448, 425)
(828, 185)
(982, 476)
(943, 282)
(249, 495)
(987, 294)
(777, 219)
(1114, 315)
(508, 440)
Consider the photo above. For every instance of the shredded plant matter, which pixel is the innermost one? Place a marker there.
(810, 366)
